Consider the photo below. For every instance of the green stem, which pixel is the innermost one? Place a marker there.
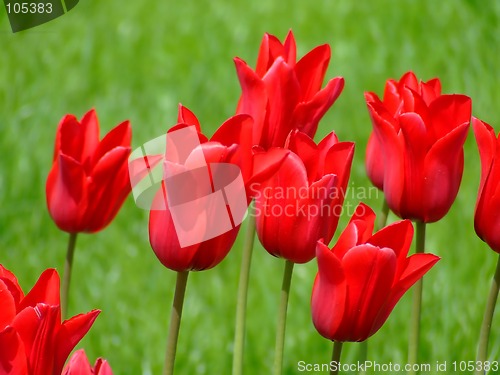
(68, 265)
(337, 351)
(363, 355)
(281, 326)
(417, 303)
(241, 304)
(482, 351)
(382, 218)
(175, 321)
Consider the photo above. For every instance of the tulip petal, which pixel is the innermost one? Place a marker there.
(120, 136)
(412, 102)
(108, 187)
(66, 193)
(78, 139)
(283, 91)
(8, 310)
(13, 359)
(70, 334)
(311, 70)
(397, 236)
(266, 164)
(486, 224)
(12, 284)
(280, 216)
(391, 99)
(165, 243)
(185, 116)
(46, 290)
(430, 90)
(327, 143)
(270, 49)
(329, 294)
(253, 99)
(102, 367)
(212, 251)
(369, 273)
(338, 160)
(314, 220)
(235, 130)
(410, 80)
(26, 323)
(415, 135)
(358, 230)
(290, 54)
(487, 145)
(90, 125)
(374, 162)
(78, 364)
(238, 130)
(37, 327)
(417, 266)
(448, 112)
(308, 114)
(393, 155)
(302, 145)
(442, 173)
(70, 138)
(415, 145)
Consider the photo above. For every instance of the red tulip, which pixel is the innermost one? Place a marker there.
(395, 103)
(281, 94)
(363, 276)
(35, 340)
(302, 202)
(89, 179)
(486, 218)
(164, 237)
(79, 365)
(421, 147)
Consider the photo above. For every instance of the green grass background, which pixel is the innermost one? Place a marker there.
(137, 61)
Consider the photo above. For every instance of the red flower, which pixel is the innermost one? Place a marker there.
(281, 94)
(394, 101)
(89, 179)
(35, 340)
(255, 166)
(302, 202)
(422, 151)
(486, 218)
(79, 365)
(363, 276)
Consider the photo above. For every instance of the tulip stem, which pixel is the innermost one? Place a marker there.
(482, 351)
(337, 351)
(363, 355)
(417, 303)
(68, 265)
(175, 321)
(281, 326)
(241, 303)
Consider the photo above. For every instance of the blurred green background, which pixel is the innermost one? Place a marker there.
(137, 61)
